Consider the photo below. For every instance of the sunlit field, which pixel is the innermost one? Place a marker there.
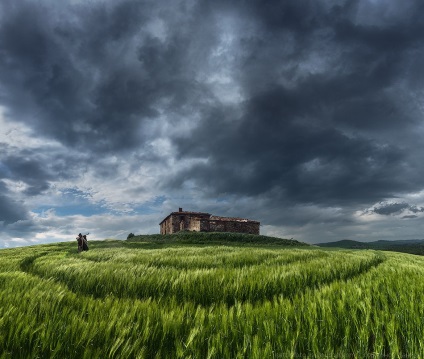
(228, 298)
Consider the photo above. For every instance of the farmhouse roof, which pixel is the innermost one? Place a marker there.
(181, 212)
(231, 219)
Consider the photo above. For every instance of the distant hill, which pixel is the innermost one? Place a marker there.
(413, 246)
(345, 243)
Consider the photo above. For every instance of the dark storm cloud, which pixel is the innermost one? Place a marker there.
(29, 171)
(391, 208)
(269, 148)
(356, 92)
(27, 174)
(10, 210)
(387, 209)
(38, 168)
(90, 74)
(340, 135)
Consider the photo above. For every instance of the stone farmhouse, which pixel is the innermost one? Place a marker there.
(205, 222)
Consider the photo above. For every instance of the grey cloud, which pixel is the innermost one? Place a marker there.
(416, 209)
(28, 171)
(93, 79)
(359, 90)
(386, 209)
(269, 148)
(38, 168)
(390, 208)
(335, 137)
(10, 210)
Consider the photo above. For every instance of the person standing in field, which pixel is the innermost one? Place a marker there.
(84, 242)
(80, 243)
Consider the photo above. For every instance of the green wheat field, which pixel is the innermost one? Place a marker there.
(209, 296)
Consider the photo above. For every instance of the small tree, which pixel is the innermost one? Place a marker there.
(130, 235)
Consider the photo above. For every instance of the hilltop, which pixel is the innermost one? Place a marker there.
(216, 238)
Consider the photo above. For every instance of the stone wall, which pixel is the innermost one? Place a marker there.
(204, 225)
(193, 224)
(166, 226)
(177, 222)
(244, 226)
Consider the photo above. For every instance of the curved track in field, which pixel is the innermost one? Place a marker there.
(199, 277)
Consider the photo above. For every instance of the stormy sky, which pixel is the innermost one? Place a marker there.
(304, 115)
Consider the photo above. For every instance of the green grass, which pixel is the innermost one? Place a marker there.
(209, 296)
(404, 246)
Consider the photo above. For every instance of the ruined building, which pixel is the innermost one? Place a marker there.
(205, 222)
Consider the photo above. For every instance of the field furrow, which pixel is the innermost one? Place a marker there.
(227, 276)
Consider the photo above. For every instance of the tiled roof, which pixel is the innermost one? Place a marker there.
(184, 213)
(187, 212)
(230, 219)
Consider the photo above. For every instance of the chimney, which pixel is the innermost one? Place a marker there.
(180, 209)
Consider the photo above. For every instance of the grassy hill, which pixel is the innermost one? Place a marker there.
(216, 238)
(413, 246)
(209, 296)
